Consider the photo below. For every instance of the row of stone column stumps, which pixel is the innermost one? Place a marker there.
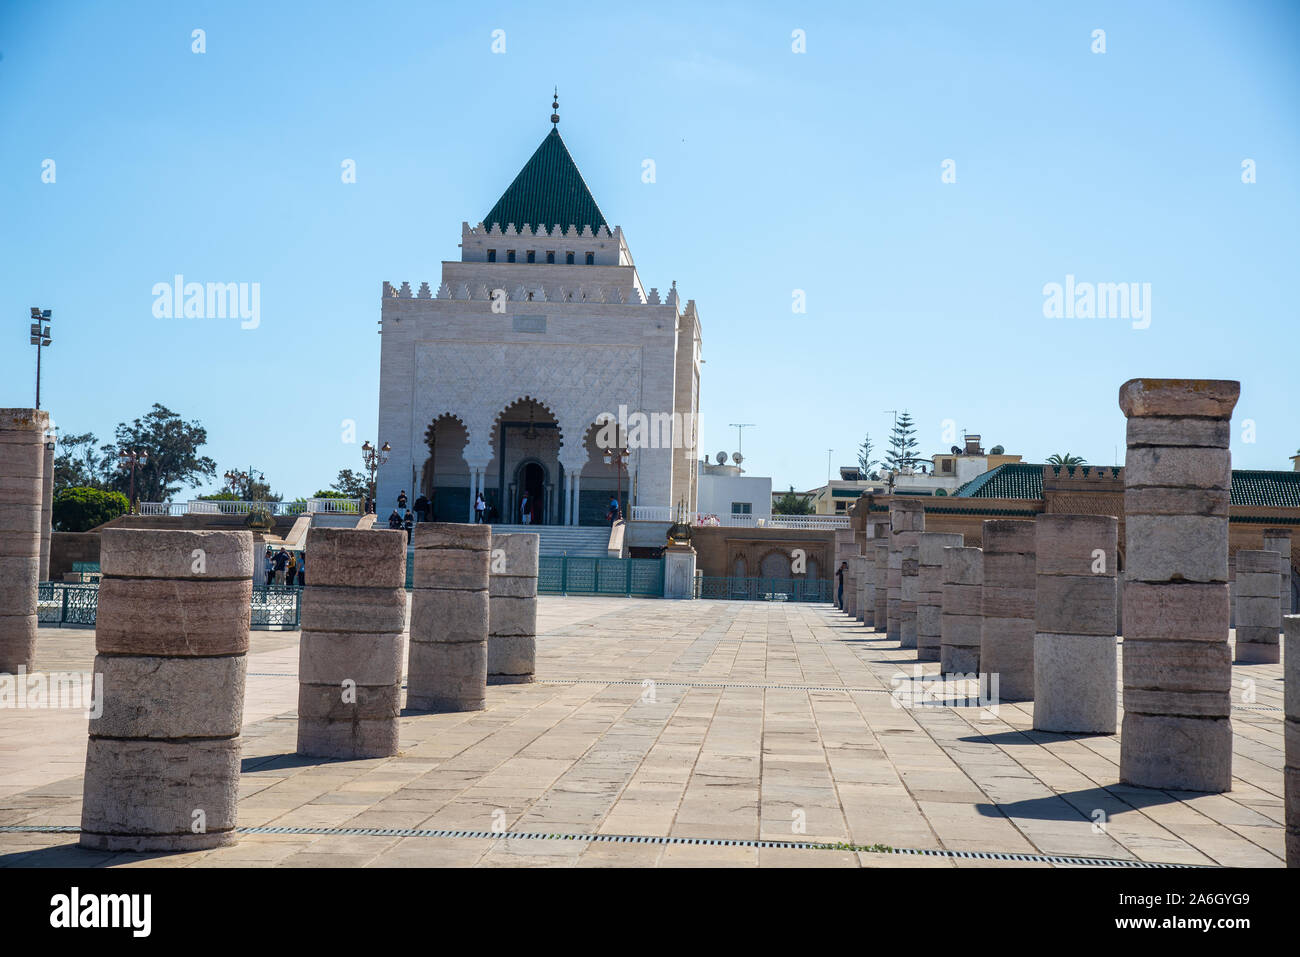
(22, 455)
(171, 635)
(1038, 606)
(350, 650)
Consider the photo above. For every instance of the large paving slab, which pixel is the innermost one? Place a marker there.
(703, 721)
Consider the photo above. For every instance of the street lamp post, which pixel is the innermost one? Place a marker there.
(132, 458)
(620, 457)
(241, 483)
(40, 338)
(373, 458)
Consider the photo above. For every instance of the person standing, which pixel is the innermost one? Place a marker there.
(421, 509)
(479, 507)
(613, 511)
(281, 563)
(302, 570)
(268, 565)
(525, 510)
(839, 594)
(408, 523)
(291, 570)
(401, 500)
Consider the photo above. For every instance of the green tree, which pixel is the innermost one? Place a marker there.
(349, 484)
(172, 448)
(1066, 459)
(865, 461)
(81, 509)
(902, 443)
(79, 462)
(791, 503)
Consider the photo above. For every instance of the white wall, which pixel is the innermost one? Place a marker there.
(717, 492)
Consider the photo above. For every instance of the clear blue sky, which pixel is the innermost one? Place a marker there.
(775, 171)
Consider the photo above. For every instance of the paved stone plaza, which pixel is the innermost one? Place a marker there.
(761, 714)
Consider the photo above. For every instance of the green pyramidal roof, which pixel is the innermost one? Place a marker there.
(548, 191)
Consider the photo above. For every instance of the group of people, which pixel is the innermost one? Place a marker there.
(284, 567)
(401, 517)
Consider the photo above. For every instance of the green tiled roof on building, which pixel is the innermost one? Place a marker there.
(1012, 480)
(1265, 489)
(548, 191)
(1261, 489)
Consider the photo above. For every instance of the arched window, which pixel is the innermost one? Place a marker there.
(591, 259)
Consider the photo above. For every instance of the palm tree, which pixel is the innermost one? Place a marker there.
(1066, 459)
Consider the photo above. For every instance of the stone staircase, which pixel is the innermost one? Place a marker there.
(583, 541)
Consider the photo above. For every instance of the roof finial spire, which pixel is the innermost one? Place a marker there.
(555, 107)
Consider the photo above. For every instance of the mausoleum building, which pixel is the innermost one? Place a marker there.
(538, 350)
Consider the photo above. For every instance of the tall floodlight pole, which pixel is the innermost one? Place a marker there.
(40, 338)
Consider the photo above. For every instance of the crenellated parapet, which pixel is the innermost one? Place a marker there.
(591, 292)
(511, 231)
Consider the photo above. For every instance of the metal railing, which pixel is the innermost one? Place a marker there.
(665, 513)
(816, 522)
(764, 589)
(575, 575)
(311, 506)
(67, 604)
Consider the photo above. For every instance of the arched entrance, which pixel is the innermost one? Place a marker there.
(526, 441)
(444, 479)
(530, 492)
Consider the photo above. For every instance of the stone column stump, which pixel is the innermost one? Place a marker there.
(906, 522)
(908, 592)
(929, 601)
(447, 656)
(22, 456)
(47, 510)
(851, 587)
(512, 608)
(1177, 730)
(350, 653)
(867, 587)
(1279, 540)
(960, 619)
(1291, 775)
(171, 632)
(1007, 607)
(1076, 668)
(880, 561)
(1259, 607)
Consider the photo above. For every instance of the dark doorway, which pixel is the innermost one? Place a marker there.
(532, 481)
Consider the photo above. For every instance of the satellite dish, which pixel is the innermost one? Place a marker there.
(721, 457)
(956, 451)
(737, 457)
